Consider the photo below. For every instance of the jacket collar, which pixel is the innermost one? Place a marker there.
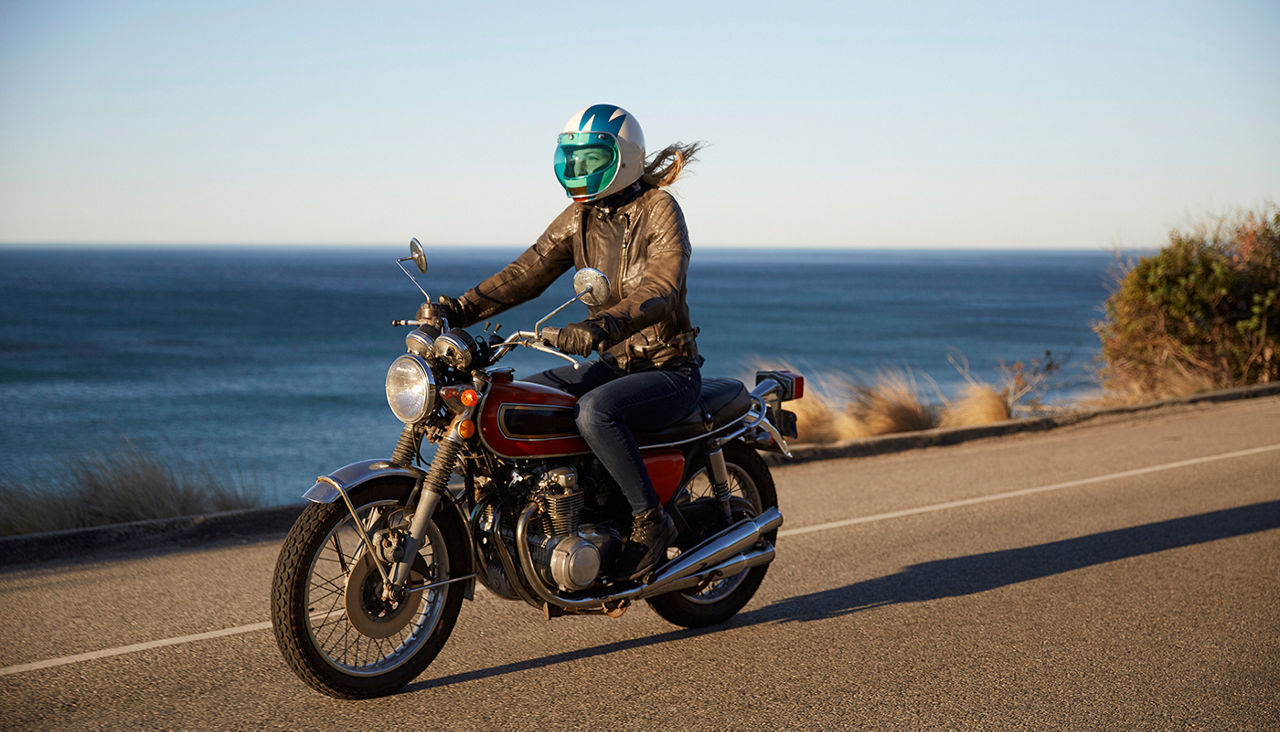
(616, 201)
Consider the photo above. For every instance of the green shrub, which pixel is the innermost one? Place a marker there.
(1202, 313)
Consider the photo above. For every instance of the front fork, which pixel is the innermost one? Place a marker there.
(430, 492)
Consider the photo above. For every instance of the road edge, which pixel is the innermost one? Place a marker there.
(67, 544)
(260, 522)
(943, 436)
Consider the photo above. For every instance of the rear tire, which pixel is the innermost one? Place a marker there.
(752, 490)
(310, 599)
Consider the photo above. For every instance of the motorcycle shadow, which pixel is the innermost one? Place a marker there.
(942, 578)
(981, 572)
(532, 664)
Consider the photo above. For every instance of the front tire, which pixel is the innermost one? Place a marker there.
(323, 573)
(752, 491)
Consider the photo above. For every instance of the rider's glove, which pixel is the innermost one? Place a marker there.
(451, 308)
(581, 339)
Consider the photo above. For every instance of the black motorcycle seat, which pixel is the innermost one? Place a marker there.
(721, 402)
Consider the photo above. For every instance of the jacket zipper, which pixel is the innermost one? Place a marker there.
(622, 258)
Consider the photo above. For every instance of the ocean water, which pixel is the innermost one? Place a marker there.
(267, 364)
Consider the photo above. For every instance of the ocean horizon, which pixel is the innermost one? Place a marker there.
(267, 361)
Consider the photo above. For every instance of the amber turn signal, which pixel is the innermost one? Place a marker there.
(466, 428)
(470, 398)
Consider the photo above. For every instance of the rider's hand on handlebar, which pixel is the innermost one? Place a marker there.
(581, 339)
(450, 307)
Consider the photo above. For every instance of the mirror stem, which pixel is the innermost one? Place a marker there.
(537, 327)
(400, 264)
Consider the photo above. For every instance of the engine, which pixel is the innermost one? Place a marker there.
(568, 544)
(568, 552)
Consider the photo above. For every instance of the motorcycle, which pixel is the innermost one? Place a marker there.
(372, 575)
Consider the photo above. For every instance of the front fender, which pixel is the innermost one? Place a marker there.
(355, 474)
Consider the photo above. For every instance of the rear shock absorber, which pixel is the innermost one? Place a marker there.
(718, 475)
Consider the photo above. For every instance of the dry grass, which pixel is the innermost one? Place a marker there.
(894, 403)
(979, 404)
(838, 407)
(1127, 393)
(126, 486)
(820, 418)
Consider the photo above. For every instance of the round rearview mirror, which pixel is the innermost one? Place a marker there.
(592, 286)
(419, 257)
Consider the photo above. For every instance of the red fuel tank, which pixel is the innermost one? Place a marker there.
(524, 420)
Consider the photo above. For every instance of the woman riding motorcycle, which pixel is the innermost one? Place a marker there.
(647, 376)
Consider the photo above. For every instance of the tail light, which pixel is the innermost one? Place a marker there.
(792, 383)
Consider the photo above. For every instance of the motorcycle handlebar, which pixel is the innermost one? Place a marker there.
(544, 341)
(529, 339)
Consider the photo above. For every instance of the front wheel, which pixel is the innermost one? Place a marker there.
(334, 628)
(751, 492)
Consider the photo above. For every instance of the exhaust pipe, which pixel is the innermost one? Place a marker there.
(722, 555)
(728, 568)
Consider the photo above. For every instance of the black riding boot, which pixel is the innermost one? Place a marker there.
(651, 533)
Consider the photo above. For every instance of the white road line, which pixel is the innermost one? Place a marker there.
(1023, 492)
(109, 652)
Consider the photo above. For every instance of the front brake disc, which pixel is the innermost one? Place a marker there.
(371, 615)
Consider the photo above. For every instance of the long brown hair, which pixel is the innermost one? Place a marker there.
(664, 167)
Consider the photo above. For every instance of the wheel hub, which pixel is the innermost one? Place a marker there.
(367, 611)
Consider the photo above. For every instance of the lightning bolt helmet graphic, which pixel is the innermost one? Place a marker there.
(599, 152)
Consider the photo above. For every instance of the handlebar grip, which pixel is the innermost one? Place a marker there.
(549, 335)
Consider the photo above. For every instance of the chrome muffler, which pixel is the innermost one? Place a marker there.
(721, 555)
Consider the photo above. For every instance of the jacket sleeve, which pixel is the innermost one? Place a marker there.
(661, 286)
(526, 277)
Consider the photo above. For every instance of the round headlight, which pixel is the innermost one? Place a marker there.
(411, 389)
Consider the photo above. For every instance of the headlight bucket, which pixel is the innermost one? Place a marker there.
(411, 388)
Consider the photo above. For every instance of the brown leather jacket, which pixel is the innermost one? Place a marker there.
(638, 238)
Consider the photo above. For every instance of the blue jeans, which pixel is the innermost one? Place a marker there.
(611, 403)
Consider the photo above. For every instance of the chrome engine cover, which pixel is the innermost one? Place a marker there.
(575, 563)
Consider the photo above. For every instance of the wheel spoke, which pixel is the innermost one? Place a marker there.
(740, 487)
(334, 567)
(342, 560)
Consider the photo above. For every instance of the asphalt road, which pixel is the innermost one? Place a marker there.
(1105, 575)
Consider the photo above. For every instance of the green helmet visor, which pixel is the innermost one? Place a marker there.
(586, 163)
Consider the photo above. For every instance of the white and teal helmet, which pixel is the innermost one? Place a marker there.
(600, 152)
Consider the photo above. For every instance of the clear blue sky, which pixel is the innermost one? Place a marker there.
(929, 124)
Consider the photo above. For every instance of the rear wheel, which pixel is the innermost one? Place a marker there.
(332, 624)
(752, 491)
